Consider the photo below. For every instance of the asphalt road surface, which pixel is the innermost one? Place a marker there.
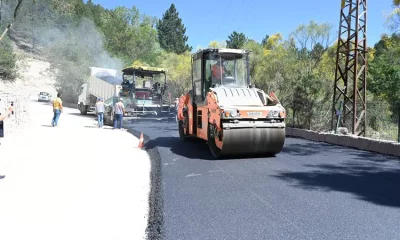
(310, 190)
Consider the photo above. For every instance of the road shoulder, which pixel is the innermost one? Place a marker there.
(74, 181)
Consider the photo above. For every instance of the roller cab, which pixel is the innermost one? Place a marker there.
(222, 108)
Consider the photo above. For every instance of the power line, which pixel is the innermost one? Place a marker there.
(223, 16)
(249, 13)
(235, 15)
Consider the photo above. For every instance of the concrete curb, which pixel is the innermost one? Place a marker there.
(367, 144)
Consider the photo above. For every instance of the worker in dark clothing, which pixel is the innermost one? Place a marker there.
(126, 84)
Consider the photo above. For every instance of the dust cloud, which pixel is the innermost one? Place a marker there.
(70, 45)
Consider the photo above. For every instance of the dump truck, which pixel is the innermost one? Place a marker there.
(226, 110)
(143, 91)
(102, 83)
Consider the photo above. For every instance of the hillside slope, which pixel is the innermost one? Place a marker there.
(34, 75)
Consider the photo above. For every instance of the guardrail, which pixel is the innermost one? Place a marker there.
(362, 143)
(21, 116)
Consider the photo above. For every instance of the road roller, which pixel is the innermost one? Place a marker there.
(226, 110)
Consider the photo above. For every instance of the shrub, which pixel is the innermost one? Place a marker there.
(7, 60)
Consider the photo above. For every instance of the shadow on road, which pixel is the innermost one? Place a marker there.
(192, 148)
(307, 148)
(374, 182)
(93, 116)
(43, 103)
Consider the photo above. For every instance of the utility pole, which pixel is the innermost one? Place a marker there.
(351, 68)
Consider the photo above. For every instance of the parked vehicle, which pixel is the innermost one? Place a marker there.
(44, 97)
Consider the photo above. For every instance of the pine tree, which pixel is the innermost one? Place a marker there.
(265, 39)
(171, 32)
(236, 40)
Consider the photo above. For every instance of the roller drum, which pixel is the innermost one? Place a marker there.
(252, 141)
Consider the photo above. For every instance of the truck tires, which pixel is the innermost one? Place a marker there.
(82, 109)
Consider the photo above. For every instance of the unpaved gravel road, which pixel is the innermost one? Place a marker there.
(74, 181)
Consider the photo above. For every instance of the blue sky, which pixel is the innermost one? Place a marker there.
(209, 20)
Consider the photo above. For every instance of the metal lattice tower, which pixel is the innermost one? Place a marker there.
(349, 98)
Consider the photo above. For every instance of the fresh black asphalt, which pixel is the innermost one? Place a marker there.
(310, 190)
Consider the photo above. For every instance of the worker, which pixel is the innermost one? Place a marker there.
(217, 72)
(57, 109)
(119, 111)
(126, 84)
(100, 112)
(3, 117)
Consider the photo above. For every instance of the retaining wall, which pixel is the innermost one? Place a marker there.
(362, 143)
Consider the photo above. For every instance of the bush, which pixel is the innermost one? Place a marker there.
(7, 60)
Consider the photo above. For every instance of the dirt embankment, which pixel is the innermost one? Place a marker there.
(33, 76)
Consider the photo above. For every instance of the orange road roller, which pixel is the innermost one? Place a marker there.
(223, 108)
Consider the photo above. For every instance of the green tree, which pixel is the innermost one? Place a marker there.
(236, 40)
(393, 18)
(7, 60)
(265, 39)
(171, 32)
(256, 56)
(216, 44)
(179, 71)
(299, 70)
(384, 77)
(312, 87)
(129, 35)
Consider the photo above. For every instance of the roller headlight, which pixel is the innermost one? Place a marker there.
(234, 113)
(273, 114)
(231, 113)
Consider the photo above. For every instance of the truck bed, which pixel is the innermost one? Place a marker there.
(101, 88)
